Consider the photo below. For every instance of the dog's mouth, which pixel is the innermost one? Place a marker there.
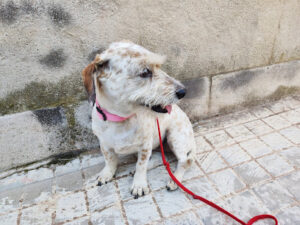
(161, 109)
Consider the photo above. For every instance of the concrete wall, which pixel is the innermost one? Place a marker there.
(45, 44)
(229, 53)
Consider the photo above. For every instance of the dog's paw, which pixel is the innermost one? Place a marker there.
(105, 176)
(138, 190)
(171, 186)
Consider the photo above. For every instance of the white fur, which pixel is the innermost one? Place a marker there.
(123, 92)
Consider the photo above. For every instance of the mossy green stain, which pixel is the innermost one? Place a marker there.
(37, 95)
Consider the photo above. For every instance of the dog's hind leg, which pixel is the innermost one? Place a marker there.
(111, 162)
(183, 147)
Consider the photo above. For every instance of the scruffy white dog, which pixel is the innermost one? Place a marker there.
(129, 91)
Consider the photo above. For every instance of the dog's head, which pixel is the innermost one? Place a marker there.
(129, 74)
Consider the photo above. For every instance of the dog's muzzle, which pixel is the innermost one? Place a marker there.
(160, 109)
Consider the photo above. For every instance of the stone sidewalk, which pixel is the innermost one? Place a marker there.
(247, 162)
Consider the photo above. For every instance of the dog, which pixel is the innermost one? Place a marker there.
(128, 91)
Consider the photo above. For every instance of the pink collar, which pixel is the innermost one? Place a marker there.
(105, 115)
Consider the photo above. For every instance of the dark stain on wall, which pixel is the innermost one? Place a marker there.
(195, 88)
(9, 12)
(59, 16)
(92, 55)
(55, 59)
(37, 95)
(49, 117)
(28, 8)
(239, 80)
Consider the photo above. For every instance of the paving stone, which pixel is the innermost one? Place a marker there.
(127, 159)
(70, 206)
(292, 102)
(192, 172)
(91, 160)
(240, 133)
(9, 219)
(258, 127)
(292, 155)
(71, 166)
(91, 174)
(234, 155)
(188, 218)
(211, 161)
(277, 122)
(227, 182)
(292, 116)
(101, 197)
(36, 192)
(171, 202)
(266, 193)
(110, 215)
(256, 147)
(124, 185)
(261, 112)
(275, 165)
(80, 221)
(141, 210)
(237, 118)
(276, 141)
(37, 215)
(9, 200)
(202, 187)
(202, 145)
(289, 216)
(69, 182)
(278, 106)
(159, 177)
(125, 170)
(19, 179)
(245, 206)
(292, 133)
(219, 138)
(251, 173)
(292, 183)
(211, 216)
(155, 160)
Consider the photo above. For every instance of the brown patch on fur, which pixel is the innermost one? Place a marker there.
(189, 162)
(143, 157)
(168, 82)
(131, 54)
(87, 73)
(145, 150)
(136, 54)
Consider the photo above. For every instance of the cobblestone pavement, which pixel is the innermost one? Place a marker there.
(247, 162)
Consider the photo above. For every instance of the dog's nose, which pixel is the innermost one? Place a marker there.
(181, 93)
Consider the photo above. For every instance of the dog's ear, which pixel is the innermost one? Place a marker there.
(88, 79)
(87, 76)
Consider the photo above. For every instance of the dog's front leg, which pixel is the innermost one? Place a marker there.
(140, 186)
(111, 162)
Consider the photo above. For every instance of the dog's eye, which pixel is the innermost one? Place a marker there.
(146, 73)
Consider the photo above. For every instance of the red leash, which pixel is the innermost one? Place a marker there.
(167, 165)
